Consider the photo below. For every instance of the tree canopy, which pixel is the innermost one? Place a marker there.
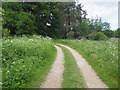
(53, 19)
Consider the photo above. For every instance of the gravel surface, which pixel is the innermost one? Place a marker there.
(90, 76)
(55, 76)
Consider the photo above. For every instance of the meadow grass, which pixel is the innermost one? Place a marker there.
(26, 61)
(101, 55)
(0, 63)
(72, 77)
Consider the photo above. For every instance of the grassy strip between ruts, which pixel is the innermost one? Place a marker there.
(101, 55)
(72, 77)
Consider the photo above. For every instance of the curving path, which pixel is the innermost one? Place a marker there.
(55, 76)
(90, 76)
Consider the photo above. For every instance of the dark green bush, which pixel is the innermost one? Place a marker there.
(70, 35)
(100, 36)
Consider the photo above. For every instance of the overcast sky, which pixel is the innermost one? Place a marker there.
(107, 9)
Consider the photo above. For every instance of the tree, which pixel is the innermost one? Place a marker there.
(106, 26)
(67, 12)
(44, 18)
(109, 33)
(98, 25)
(80, 13)
(117, 33)
(0, 22)
(11, 12)
(53, 19)
(25, 24)
(72, 17)
(10, 19)
(84, 28)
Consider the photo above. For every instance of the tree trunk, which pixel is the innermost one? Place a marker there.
(67, 25)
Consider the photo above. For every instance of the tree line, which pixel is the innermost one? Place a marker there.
(53, 19)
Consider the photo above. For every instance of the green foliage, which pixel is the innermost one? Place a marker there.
(5, 32)
(109, 33)
(101, 55)
(106, 26)
(0, 63)
(84, 28)
(25, 24)
(100, 36)
(26, 60)
(88, 27)
(51, 19)
(32, 17)
(98, 25)
(117, 33)
(90, 36)
(1, 21)
(72, 14)
(70, 35)
(1, 13)
(71, 72)
(10, 20)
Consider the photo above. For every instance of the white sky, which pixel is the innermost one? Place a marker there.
(107, 9)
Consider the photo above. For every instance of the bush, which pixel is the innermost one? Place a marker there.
(5, 32)
(70, 35)
(90, 36)
(100, 36)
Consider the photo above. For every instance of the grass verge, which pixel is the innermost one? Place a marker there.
(41, 73)
(72, 77)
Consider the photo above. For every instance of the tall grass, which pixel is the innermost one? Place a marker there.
(101, 55)
(0, 63)
(26, 60)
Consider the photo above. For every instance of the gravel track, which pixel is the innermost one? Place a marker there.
(90, 76)
(55, 76)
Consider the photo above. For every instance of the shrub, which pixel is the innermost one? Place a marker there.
(70, 35)
(100, 36)
(5, 32)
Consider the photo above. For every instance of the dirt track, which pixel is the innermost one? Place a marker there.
(90, 76)
(55, 76)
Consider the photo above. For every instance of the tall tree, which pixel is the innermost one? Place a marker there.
(45, 18)
(67, 12)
